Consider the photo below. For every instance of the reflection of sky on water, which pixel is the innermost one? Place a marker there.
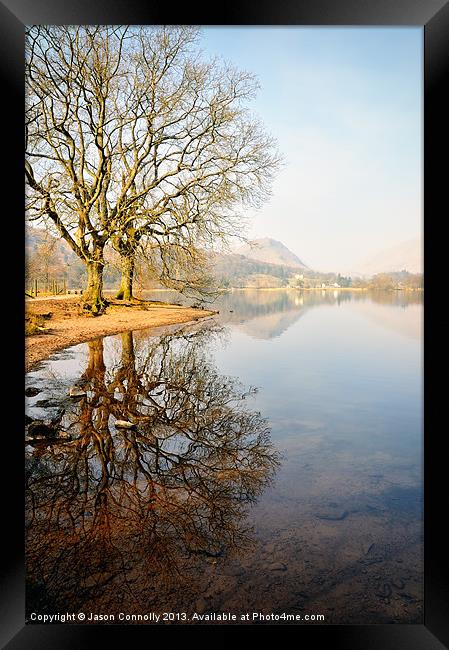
(342, 380)
(346, 363)
(339, 379)
(335, 360)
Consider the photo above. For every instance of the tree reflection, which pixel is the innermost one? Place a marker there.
(120, 516)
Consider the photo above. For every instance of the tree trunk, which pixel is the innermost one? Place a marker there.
(96, 368)
(128, 368)
(126, 286)
(92, 299)
(128, 356)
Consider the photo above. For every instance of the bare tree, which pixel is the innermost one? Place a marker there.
(187, 269)
(132, 137)
(74, 78)
(199, 157)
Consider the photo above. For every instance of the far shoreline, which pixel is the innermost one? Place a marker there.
(299, 289)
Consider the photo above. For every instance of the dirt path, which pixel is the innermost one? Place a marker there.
(65, 326)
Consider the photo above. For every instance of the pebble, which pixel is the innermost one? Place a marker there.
(124, 424)
(200, 606)
(277, 566)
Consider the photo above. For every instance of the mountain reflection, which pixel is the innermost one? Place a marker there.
(130, 517)
(267, 314)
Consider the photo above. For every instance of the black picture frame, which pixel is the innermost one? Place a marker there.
(433, 15)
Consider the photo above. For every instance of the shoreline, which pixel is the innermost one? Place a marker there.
(231, 289)
(66, 326)
(299, 289)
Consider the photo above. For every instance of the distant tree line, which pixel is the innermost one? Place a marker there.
(50, 258)
(391, 281)
(241, 271)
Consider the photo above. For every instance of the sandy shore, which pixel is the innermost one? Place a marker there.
(66, 326)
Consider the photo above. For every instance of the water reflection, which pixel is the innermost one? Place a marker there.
(267, 314)
(158, 517)
(127, 517)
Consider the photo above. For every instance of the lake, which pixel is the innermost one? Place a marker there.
(274, 465)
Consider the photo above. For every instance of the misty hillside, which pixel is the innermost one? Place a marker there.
(406, 256)
(49, 257)
(241, 271)
(271, 251)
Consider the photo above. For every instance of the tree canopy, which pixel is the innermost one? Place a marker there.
(135, 139)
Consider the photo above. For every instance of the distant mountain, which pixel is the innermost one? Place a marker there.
(271, 251)
(232, 270)
(406, 256)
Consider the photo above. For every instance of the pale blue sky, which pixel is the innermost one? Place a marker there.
(345, 105)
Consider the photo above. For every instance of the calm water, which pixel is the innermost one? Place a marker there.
(275, 465)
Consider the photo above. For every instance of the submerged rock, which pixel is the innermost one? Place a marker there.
(338, 516)
(60, 436)
(369, 548)
(38, 429)
(76, 391)
(47, 403)
(234, 571)
(31, 439)
(32, 391)
(124, 424)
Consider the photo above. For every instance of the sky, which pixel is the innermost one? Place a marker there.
(345, 105)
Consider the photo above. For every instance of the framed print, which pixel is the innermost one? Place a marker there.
(230, 421)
